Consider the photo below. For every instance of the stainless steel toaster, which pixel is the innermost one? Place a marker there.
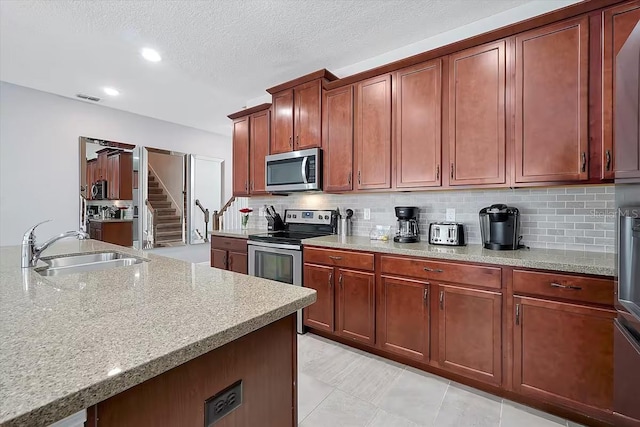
(447, 233)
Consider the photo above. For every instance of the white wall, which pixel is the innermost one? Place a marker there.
(39, 173)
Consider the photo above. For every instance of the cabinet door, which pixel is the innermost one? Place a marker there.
(627, 108)
(470, 332)
(241, 156)
(319, 315)
(373, 133)
(219, 259)
(282, 125)
(112, 177)
(238, 262)
(337, 139)
(552, 82)
(402, 322)
(308, 115)
(259, 149)
(563, 353)
(418, 139)
(125, 176)
(619, 22)
(356, 305)
(477, 116)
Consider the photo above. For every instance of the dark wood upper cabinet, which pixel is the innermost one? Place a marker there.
(551, 96)
(477, 144)
(320, 314)
(626, 107)
(418, 111)
(308, 115)
(564, 353)
(260, 125)
(373, 133)
(241, 156)
(402, 321)
(337, 139)
(618, 23)
(356, 305)
(282, 124)
(119, 176)
(470, 332)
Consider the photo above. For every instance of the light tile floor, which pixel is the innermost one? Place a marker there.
(342, 386)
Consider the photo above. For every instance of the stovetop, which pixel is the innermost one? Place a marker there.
(287, 237)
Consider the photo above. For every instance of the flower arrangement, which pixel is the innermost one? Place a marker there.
(245, 216)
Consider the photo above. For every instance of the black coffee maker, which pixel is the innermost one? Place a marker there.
(408, 231)
(500, 227)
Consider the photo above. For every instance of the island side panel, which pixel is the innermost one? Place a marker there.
(265, 361)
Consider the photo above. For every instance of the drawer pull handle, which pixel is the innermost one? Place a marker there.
(558, 285)
(441, 300)
(437, 270)
(337, 258)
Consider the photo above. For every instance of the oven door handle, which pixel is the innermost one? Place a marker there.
(305, 179)
(273, 245)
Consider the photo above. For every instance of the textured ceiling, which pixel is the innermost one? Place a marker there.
(216, 54)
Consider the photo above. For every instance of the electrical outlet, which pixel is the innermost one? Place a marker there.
(261, 211)
(367, 213)
(223, 403)
(451, 214)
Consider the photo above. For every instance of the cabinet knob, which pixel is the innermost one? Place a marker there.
(359, 178)
(298, 140)
(291, 141)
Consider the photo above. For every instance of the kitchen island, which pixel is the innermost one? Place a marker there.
(165, 334)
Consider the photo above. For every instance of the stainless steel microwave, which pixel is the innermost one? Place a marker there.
(294, 171)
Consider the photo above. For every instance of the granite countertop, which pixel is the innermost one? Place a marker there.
(69, 342)
(238, 233)
(544, 259)
(111, 220)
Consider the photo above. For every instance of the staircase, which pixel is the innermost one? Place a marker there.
(166, 221)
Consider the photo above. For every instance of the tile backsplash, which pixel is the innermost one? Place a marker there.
(573, 218)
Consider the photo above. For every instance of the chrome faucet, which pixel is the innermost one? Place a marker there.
(31, 252)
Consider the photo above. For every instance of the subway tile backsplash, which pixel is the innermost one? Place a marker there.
(572, 218)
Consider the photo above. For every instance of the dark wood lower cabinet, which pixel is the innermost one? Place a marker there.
(319, 315)
(116, 232)
(263, 360)
(356, 305)
(229, 253)
(402, 321)
(626, 376)
(564, 353)
(470, 332)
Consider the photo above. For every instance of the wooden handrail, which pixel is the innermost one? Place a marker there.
(217, 215)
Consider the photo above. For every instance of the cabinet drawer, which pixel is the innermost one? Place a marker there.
(229, 244)
(577, 288)
(358, 260)
(490, 277)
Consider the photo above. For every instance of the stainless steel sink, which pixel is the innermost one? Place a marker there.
(81, 263)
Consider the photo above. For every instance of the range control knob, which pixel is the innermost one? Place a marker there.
(326, 217)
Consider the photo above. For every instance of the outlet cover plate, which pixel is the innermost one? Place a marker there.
(451, 214)
(367, 213)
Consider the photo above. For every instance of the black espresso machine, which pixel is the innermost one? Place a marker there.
(500, 227)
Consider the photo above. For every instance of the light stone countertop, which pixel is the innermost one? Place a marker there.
(238, 233)
(544, 259)
(69, 342)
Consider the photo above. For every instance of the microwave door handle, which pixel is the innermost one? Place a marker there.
(304, 170)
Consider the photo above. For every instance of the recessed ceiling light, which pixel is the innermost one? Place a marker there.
(151, 55)
(111, 91)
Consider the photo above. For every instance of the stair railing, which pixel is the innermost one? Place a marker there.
(206, 220)
(217, 215)
(150, 230)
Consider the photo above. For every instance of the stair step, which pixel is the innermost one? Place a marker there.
(151, 178)
(153, 184)
(169, 226)
(165, 211)
(156, 190)
(157, 197)
(165, 235)
(163, 219)
(158, 204)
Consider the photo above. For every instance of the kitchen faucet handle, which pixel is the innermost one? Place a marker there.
(30, 235)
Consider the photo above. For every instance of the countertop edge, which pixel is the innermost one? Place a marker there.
(96, 393)
(504, 262)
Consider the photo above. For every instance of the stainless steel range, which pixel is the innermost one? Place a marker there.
(277, 255)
